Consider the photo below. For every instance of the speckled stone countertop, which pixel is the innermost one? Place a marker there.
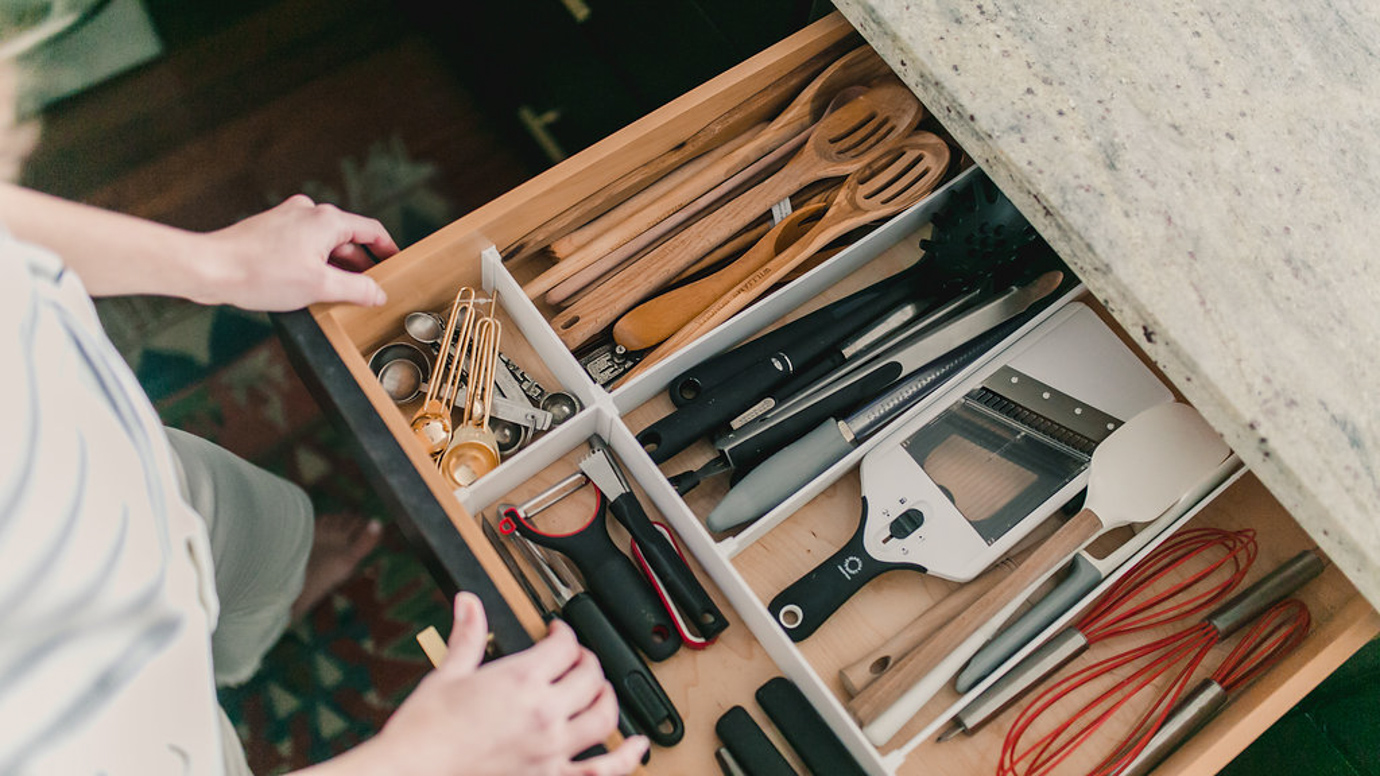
(1212, 171)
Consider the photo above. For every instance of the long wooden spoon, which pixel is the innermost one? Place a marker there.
(845, 140)
(895, 181)
(656, 319)
(1139, 471)
(857, 67)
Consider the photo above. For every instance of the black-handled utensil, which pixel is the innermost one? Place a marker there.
(826, 321)
(680, 581)
(805, 730)
(801, 608)
(640, 696)
(610, 577)
(750, 747)
(745, 453)
(626, 726)
(775, 464)
(814, 351)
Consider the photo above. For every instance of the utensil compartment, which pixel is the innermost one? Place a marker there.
(745, 568)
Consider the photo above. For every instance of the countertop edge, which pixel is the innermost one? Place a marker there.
(1323, 522)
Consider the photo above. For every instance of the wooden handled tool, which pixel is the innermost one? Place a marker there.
(1139, 471)
(601, 266)
(856, 67)
(653, 192)
(866, 670)
(656, 319)
(761, 106)
(886, 186)
(857, 133)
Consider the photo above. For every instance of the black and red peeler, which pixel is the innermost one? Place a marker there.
(610, 576)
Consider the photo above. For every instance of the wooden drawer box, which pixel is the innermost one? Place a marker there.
(332, 344)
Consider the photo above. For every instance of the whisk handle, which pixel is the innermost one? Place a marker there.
(1188, 717)
(1268, 591)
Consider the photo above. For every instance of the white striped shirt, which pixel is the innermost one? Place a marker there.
(106, 595)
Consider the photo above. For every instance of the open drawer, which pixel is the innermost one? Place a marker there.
(742, 569)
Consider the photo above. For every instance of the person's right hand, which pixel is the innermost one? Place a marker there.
(527, 713)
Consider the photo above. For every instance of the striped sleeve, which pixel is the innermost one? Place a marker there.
(82, 556)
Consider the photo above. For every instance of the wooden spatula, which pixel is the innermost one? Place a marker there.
(1139, 471)
(845, 140)
(656, 319)
(883, 188)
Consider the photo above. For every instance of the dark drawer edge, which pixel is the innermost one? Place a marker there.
(420, 516)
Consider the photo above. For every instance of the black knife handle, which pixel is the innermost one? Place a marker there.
(714, 408)
(828, 325)
(801, 608)
(684, 587)
(614, 582)
(640, 695)
(693, 382)
(805, 730)
(749, 745)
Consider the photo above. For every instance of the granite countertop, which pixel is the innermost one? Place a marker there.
(1212, 172)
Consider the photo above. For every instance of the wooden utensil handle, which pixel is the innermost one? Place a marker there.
(571, 252)
(614, 218)
(683, 202)
(596, 311)
(866, 670)
(662, 316)
(883, 693)
(761, 106)
(728, 305)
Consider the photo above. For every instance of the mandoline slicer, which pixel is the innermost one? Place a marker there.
(953, 490)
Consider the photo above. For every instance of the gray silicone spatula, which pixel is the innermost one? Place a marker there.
(1139, 471)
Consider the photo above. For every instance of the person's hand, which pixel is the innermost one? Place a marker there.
(297, 254)
(527, 713)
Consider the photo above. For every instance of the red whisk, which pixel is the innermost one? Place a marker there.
(1174, 657)
(1205, 564)
(1277, 633)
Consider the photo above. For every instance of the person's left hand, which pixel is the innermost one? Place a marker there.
(297, 254)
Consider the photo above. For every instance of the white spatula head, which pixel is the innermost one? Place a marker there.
(1147, 465)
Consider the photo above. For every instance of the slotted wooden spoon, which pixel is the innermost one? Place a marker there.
(859, 66)
(902, 176)
(857, 133)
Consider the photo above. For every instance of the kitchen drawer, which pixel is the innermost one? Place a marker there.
(332, 344)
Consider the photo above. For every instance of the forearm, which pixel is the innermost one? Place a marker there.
(112, 253)
(280, 259)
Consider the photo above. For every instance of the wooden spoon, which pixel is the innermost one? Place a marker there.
(904, 175)
(1139, 471)
(655, 191)
(845, 140)
(757, 108)
(854, 68)
(602, 266)
(656, 319)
